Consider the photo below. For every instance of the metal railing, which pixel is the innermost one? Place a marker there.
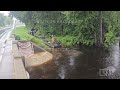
(6, 28)
(3, 30)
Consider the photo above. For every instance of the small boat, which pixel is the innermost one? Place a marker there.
(56, 45)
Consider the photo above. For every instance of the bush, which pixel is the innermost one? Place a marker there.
(110, 39)
(17, 37)
(22, 34)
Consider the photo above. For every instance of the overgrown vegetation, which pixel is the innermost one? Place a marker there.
(99, 28)
(22, 34)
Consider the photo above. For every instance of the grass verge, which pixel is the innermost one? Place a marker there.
(22, 34)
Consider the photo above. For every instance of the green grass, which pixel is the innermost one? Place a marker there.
(22, 33)
(67, 41)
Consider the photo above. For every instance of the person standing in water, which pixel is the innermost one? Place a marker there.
(53, 39)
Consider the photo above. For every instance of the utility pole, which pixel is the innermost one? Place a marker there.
(14, 25)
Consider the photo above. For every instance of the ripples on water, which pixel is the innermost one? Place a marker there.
(61, 72)
(82, 63)
(71, 60)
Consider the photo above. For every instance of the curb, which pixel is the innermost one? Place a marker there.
(19, 69)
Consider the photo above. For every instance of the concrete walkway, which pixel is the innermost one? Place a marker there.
(6, 59)
(19, 69)
(10, 67)
(6, 65)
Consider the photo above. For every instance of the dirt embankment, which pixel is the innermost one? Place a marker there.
(34, 55)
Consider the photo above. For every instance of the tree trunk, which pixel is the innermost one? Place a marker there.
(62, 29)
(95, 36)
(100, 29)
(103, 31)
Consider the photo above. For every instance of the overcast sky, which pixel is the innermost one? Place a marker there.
(6, 13)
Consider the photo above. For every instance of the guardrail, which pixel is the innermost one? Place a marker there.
(2, 34)
(3, 30)
(6, 28)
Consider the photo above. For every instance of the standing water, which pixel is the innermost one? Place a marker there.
(80, 63)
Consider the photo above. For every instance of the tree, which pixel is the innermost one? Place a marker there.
(100, 28)
(4, 20)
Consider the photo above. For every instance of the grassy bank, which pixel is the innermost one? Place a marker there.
(22, 34)
(67, 41)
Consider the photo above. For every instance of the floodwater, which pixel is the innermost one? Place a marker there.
(80, 63)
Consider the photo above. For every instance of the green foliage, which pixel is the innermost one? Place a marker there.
(110, 39)
(74, 27)
(4, 20)
(67, 40)
(17, 37)
(22, 34)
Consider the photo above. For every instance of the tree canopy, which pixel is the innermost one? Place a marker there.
(99, 28)
(4, 20)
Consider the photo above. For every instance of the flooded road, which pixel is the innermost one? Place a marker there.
(80, 63)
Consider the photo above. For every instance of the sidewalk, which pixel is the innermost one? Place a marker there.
(19, 69)
(11, 65)
(6, 64)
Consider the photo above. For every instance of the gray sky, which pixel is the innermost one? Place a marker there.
(6, 13)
